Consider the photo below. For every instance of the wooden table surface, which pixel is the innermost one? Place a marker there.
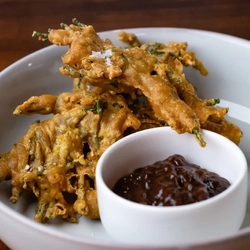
(19, 18)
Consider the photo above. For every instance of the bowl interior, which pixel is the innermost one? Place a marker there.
(38, 74)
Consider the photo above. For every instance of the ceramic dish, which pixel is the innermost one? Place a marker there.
(125, 220)
(227, 59)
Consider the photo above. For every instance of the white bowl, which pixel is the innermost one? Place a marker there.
(38, 73)
(216, 217)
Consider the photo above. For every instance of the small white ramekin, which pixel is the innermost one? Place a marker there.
(134, 223)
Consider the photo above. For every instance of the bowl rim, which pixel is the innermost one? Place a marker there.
(86, 242)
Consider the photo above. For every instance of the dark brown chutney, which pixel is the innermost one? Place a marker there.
(170, 182)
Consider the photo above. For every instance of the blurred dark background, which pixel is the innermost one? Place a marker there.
(19, 18)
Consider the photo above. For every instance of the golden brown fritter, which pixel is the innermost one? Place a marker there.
(58, 156)
(102, 64)
(116, 92)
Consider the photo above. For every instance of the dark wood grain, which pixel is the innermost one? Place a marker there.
(19, 18)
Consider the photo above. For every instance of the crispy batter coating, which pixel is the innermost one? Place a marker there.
(116, 92)
(223, 127)
(102, 64)
(58, 156)
(37, 104)
(129, 38)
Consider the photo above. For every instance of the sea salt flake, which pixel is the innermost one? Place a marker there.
(27, 167)
(105, 54)
(40, 168)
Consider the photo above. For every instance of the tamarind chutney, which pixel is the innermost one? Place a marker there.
(171, 182)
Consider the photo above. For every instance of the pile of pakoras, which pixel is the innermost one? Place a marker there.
(116, 92)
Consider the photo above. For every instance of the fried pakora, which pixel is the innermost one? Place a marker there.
(102, 64)
(58, 156)
(116, 92)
